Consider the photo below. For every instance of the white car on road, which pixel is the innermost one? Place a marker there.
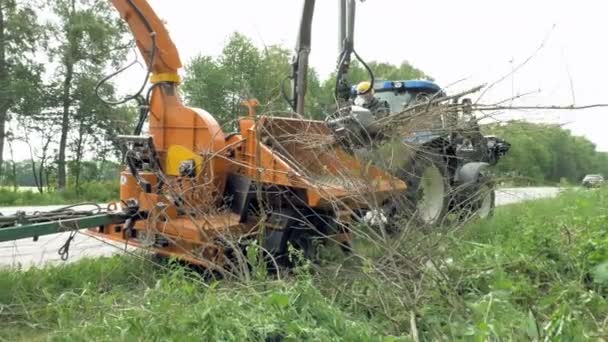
(593, 181)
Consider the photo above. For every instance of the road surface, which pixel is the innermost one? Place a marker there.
(25, 252)
(506, 196)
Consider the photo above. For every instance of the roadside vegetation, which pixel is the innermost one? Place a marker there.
(98, 192)
(540, 155)
(96, 182)
(545, 154)
(536, 271)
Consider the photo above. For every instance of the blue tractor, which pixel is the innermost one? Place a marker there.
(445, 163)
(448, 172)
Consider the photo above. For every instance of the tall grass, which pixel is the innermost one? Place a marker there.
(536, 271)
(124, 299)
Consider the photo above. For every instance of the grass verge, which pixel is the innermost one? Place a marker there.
(535, 271)
(100, 192)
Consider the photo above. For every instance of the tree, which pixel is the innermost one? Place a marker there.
(242, 71)
(89, 37)
(39, 132)
(219, 84)
(547, 153)
(19, 74)
(205, 86)
(274, 68)
(314, 106)
(241, 62)
(95, 125)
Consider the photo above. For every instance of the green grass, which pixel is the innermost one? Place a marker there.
(537, 270)
(95, 192)
(126, 299)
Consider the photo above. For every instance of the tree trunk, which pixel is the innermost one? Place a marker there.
(14, 176)
(65, 124)
(41, 169)
(35, 174)
(68, 62)
(79, 153)
(3, 88)
(13, 167)
(47, 177)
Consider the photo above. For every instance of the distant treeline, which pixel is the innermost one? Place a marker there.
(546, 153)
(28, 174)
(539, 154)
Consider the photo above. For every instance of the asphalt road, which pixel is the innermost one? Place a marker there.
(26, 253)
(506, 196)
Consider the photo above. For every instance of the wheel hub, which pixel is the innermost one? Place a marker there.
(431, 194)
(485, 206)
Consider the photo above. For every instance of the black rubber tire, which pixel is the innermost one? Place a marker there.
(407, 206)
(492, 200)
(472, 206)
(303, 241)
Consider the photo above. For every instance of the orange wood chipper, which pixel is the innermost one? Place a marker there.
(195, 192)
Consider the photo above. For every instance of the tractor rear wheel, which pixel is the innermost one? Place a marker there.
(480, 201)
(425, 200)
(486, 201)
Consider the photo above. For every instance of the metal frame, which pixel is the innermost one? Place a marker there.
(34, 230)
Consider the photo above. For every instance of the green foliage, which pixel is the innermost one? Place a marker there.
(20, 173)
(128, 299)
(536, 270)
(100, 192)
(87, 38)
(20, 73)
(244, 71)
(205, 86)
(544, 153)
(87, 35)
(535, 265)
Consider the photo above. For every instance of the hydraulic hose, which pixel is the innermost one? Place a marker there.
(343, 59)
(150, 63)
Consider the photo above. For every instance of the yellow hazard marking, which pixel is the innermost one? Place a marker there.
(165, 77)
(176, 155)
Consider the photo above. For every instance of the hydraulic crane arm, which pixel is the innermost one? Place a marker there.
(346, 43)
(152, 39)
(300, 63)
(346, 38)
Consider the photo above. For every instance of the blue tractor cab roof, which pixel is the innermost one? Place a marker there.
(405, 85)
